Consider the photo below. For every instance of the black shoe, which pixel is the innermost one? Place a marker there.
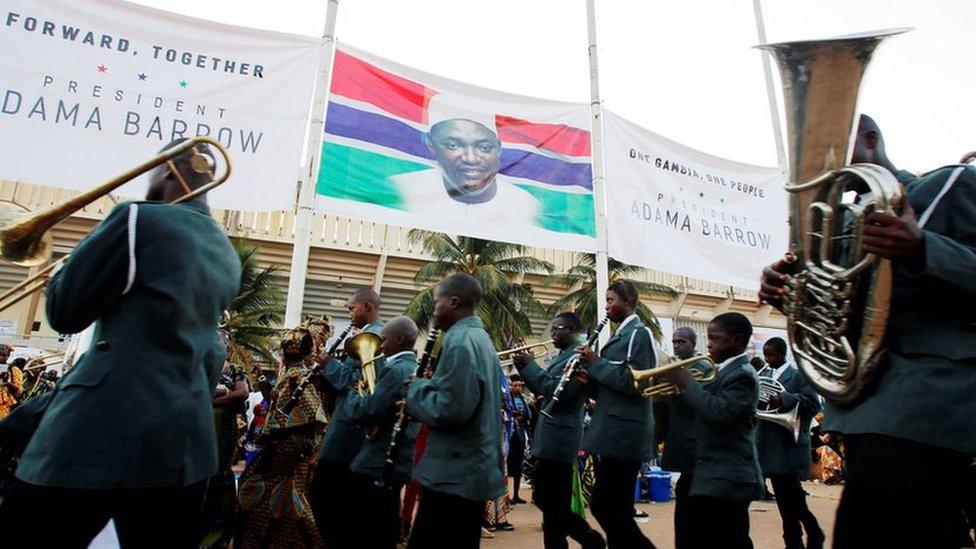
(505, 526)
(488, 526)
(593, 540)
(640, 514)
(516, 500)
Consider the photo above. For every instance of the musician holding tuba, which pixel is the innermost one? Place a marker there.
(556, 441)
(333, 482)
(622, 431)
(911, 435)
(376, 507)
(785, 460)
(154, 279)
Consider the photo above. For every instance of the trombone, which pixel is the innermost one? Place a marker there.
(538, 350)
(645, 381)
(25, 237)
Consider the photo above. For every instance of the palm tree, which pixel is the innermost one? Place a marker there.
(506, 305)
(252, 318)
(581, 281)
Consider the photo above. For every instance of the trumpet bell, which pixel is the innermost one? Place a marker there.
(18, 242)
(646, 381)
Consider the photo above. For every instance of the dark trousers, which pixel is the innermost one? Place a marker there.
(553, 494)
(684, 523)
(793, 510)
(516, 460)
(68, 518)
(446, 520)
(376, 514)
(722, 522)
(332, 494)
(612, 503)
(900, 493)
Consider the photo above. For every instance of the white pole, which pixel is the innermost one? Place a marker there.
(306, 194)
(770, 89)
(599, 177)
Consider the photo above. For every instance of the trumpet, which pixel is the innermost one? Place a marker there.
(538, 350)
(25, 238)
(645, 380)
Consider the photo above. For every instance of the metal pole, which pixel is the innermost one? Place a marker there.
(306, 194)
(770, 89)
(599, 176)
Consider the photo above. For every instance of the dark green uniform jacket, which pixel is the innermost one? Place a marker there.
(622, 426)
(462, 406)
(135, 411)
(928, 381)
(674, 423)
(779, 454)
(377, 410)
(559, 438)
(725, 433)
(343, 438)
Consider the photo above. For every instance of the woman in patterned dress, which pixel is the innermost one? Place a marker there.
(273, 496)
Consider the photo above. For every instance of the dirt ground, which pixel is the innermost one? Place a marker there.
(765, 526)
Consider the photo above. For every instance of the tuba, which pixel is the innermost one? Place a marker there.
(838, 300)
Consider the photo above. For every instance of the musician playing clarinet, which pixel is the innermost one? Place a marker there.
(621, 435)
(461, 404)
(556, 440)
(376, 506)
(333, 483)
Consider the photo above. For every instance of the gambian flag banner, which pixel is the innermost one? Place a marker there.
(413, 149)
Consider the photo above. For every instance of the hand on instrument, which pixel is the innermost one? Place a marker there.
(772, 285)
(679, 376)
(520, 359)
(398, 409)
(775, 402)
(586, 354)
(324, 358)
(893, 237)
(581, 376)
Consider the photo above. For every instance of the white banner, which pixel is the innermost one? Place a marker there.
(90, 88)
(675, 209)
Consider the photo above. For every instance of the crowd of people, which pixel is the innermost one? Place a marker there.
(349, 451)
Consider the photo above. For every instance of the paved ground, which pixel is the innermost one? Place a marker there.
(765, 526)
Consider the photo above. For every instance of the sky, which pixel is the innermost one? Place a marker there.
(683, 69)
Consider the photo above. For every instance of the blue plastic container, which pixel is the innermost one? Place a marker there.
(660, 485)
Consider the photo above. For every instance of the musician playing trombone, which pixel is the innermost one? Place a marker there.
(621, 434)
(556, 440)
(332, 482)
(376, 507)
(785, 460)
(155, 279)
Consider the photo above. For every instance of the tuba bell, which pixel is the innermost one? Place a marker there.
(838, 299)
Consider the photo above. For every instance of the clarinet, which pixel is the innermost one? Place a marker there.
(570, 369)
(398, 434)
(297, 393)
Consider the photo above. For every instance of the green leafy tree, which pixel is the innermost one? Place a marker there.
(506, 305)
(253, 317)
(580, 279)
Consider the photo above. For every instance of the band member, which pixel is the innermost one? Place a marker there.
(785, 460)
(332, 482)
(273, 497)
(377, 506)
(129, 432)
(911, 437)
(556, 441)
(462, 466)
(726, 475)
(674, 423)
(621, 434)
